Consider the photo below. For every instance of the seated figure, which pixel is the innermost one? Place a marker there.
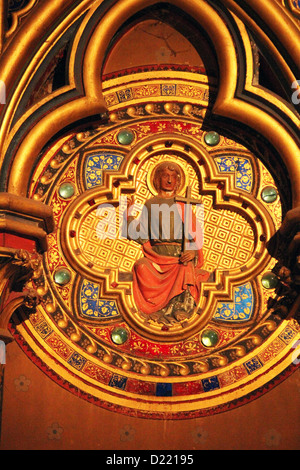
(167, 279)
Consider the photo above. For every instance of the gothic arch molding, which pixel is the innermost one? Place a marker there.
(226, 105)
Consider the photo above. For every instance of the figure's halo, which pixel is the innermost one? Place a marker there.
(183, 174)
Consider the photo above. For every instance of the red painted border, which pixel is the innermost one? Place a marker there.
(144, 414)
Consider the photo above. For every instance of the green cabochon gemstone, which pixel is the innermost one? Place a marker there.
(125, 137)
(269, 280)
(119, 335)
(269, 194)
(212, 138)
(62, 276)
(209, 338)
(66, 190)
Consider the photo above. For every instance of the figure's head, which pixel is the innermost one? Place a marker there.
(167, 177)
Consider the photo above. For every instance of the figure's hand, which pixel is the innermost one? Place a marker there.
(187, 256)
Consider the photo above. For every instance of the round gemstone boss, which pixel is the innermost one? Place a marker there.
(209, 338)
(119, 335)
(62, 276)
(125, 137)
(269, 194)
(269, 280)
(66, 190)
(212, 138)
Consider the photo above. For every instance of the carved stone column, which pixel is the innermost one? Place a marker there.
(24, 225)
(5, 338)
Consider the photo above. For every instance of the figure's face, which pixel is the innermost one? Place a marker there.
(168, 180)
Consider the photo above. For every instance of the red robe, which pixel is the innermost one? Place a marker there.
(157, 279)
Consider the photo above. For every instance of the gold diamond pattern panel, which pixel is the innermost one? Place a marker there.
(228, 238)
(101, 244)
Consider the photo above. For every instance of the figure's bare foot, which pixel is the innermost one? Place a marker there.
(172, 314)
(182, 315)
(162, 317)
(167, 320)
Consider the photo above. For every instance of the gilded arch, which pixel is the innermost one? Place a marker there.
(226, 105)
